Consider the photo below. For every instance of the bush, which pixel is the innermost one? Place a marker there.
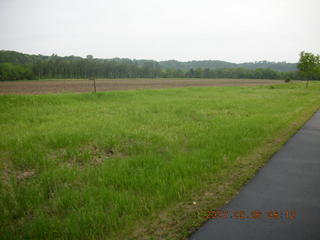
(10, 71)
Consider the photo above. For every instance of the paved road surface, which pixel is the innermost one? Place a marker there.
(290, 181)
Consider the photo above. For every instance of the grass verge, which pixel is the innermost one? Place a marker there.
(122, 165)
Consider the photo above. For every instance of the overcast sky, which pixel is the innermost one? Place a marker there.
(230, 30)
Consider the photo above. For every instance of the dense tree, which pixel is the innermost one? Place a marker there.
(10, 71)
(309, 66)
(16, 66)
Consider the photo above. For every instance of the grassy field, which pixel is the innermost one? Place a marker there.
(113, 165)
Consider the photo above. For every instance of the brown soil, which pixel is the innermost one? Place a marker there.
(60, 86)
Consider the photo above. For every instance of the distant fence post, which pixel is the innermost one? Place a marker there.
(94, 83)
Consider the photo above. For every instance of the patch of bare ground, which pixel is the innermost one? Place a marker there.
(25, 174)
(86, 156)
(77, 86)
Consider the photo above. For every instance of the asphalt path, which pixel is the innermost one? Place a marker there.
(281, 202)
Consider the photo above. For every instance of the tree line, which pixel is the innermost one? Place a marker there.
(214, 64)
(19, 66)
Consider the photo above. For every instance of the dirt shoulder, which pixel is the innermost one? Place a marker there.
(62, 86)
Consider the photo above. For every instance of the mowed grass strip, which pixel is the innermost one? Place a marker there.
(88, 166)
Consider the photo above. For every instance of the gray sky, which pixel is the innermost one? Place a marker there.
(230, 30)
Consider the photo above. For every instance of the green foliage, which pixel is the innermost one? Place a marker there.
(76, 67)
(10, 71)
(309, 65)
(276, 66)
(91, 166)
(214, 64)
(18, 58)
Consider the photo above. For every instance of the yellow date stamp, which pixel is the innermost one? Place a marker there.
(254, 214)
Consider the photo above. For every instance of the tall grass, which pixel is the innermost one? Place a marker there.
(85, 166)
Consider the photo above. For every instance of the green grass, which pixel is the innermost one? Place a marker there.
(88, 166)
